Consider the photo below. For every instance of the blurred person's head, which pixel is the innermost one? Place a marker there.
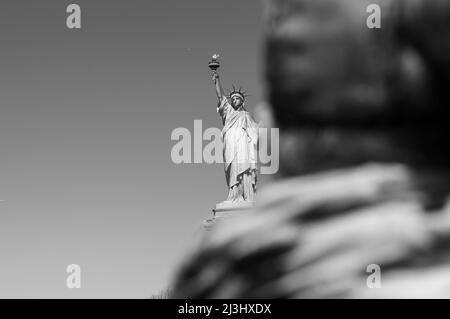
(343, 94)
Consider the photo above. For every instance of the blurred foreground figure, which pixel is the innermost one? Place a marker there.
(363, 115)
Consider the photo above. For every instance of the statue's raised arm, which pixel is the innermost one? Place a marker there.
(218, 86)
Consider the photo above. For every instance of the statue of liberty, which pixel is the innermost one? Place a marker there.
(240, 139)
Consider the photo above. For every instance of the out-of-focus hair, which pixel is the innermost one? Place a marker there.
(326, 69)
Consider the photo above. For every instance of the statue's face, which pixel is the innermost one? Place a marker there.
(236, 102)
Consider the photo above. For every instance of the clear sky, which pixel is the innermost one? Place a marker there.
(85, 123)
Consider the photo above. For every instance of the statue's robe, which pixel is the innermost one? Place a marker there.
(240, 138)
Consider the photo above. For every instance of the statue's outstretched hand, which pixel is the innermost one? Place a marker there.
(215, 76)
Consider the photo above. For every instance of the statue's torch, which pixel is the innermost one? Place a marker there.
(214, 64)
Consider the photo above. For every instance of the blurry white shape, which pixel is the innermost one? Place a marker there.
(74, 279)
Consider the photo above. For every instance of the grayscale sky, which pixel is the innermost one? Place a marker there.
(85, 123)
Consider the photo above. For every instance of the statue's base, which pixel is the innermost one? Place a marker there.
(227, 210)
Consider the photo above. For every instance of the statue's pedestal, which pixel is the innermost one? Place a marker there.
(227, 210)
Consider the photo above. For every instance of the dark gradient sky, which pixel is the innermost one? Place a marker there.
(85, 123)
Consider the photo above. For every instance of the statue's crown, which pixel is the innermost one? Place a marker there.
(242, 94)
